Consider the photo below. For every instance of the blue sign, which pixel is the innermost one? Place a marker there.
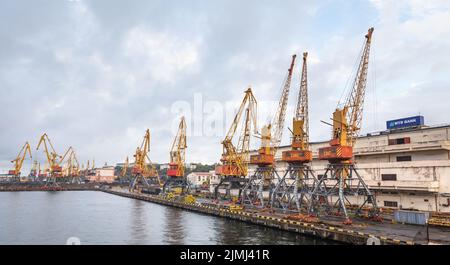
(405, 122)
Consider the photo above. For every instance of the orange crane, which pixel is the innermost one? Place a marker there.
(175, 173)
(18, 161)
(341, 172)
(271, 134)
(143, 172)
(235, 158)
(55, 169)
(294, 188)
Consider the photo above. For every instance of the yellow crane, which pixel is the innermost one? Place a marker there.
(18, 161)
(73, 168)
(35, 170)
(178, 152)
(55, 169)
(294, 188)
(142, 170)
(235, 158)
(67, 154)
(86, 172)
(72, 165)
(347, 119)
(175, 173)
(272, 133)
(44, 172)
(300, 152)
(264, 161)
(341, 171)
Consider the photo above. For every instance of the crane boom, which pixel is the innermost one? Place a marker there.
(341, 168)
(301, 114)
(355, 102)
(178, 151)
(142, 170)
(68, 152)
(347, 120)
(235, 157)
(141, 157)
(51, 154)
(18, 161)
(300, 152)
(125, 167)
(272, 133)
(279, 118)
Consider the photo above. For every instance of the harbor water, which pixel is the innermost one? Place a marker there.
(99, 218)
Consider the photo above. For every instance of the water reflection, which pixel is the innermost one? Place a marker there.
(174, 228)
(100, 218)
(138, 223)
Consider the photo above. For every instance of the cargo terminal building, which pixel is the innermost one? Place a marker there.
(407, 166)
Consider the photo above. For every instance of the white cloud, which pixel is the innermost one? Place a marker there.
(164, 55)
(95, 75)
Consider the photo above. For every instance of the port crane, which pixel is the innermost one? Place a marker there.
(175, 174)
(42, 174)
(124, 171)
(235, 158)
(90, 169)
(72, 169)
(18, 161)
(54, 170)
(67, 154)
(341, 178)
(294, 188)
(143, 174)
(86, 170)
(262, 179)
(35, 170)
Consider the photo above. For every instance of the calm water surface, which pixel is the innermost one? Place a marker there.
(101, 218)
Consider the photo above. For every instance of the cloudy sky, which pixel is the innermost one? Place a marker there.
(95, 74)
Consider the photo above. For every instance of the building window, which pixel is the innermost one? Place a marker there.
(390, 204)
(320, 176)
(389, 177)
(404, 140)
(403, 158)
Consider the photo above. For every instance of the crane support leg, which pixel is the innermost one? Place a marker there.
(259, 184)
(294, 190)
(138, 182)
(342, 182)
(229, 183)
